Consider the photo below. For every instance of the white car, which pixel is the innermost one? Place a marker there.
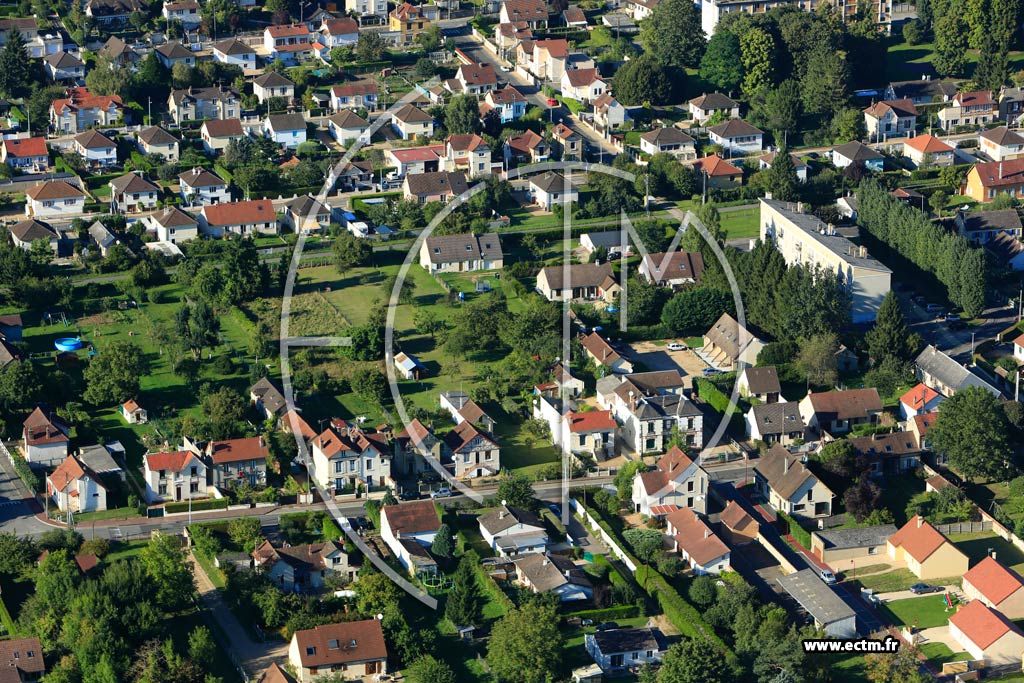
(676, 346)
(828, 577)
(505, 69)
(441, 493)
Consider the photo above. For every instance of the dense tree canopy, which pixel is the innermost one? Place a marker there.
(972, 431)
(673, 36)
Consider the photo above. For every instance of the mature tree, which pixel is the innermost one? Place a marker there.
(938, 202)
(694, 310)
(848, 124)
(913, 32)
(840, 458)
(652, 235)
(245, 278)
(780, 178)
(350, 251)
(425, 68)
(817, 359)
(972, 431)
(223, 410)
(464, 606)
(890, 338)
(644, 79)
(862, 499)
(901, 666)
(202, 649)
(112, 376)
(370, 47)
(370, 384)
(951, 43)
(428, 669)
(182, 75)
(517, 491)
(694, 660)
(757, 51)
(624, 477)
(825, 86)
(645, 543)
(721, 65)
(673, 35)
(16, 554)
(444, 542)
(526, 645)
(375, 592)
(107, 77)
(15, 67)
(245, 532)
(164, 561)
(197, 326)
(780, 111)
(462, 115)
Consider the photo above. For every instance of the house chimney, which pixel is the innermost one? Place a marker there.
(1000, 170)
(545, 562)
(707, 532)
(785, 464)
(920, 521)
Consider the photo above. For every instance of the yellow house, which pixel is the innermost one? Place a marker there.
(987, 635)
(997, 586)
(408, 21)
(986, 180)
(925, 551)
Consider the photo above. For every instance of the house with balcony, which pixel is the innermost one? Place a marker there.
(200, 187)
(469, 153)
(132, 193)
(470, 452)
(235, 461)
(508, 102)
(80, 110)
(273, 84)
(185, 11)
(707, 105)
(75, 488)
(890, 119)
(408, 21)
(345, 457)
(176, 476)
(291, 44)
(26, 154)
(361, 95)
(973, 109)
(669, 140)
(676, 481)
(196, 104)
(510, 531)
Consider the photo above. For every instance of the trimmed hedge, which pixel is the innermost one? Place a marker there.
(802, 535)
(608, 613)
(197, 505)
(32, 479)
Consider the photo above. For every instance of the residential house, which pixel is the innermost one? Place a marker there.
(919, 426)
(462, 408)
(987, 179)
(677, 481)
(718, 172)
(997, 586)
(554, 574)
(609, 114)
(80, 110)
(738, 527)
(727, 344)
(925, 551)
(235, 52)
(927, 150)
(609, 240)
(805, 240)
(132, 193)
(1018, 349)
(273, 673)
(11, 327)
(120, 53)
(268, 399)
(921, 91)
(156, 140)
(305, 214)
(64, 66)
(511, 531)
(218, 134)
(837, 412)
(584, 85)
(844, 549)
(1006, 251)
(760, 383)
(416, 447)
(552, 189)
(291, 44)
(133, 413)
(75, 488)
(736, 136)
(476, 78)
(888, 454)
(287, 130)
(95, 148)
(573, 17)
(529, 147)
(44, 438)
(672, 269)
(776, 423)
(176, 476)
(987, 635)
(707, 105)
(408, 366)
(409, 529)
(196, 104)
(26, 154)
(366, 9)
(590, 433)
(441, 186)
(200, 187)
(586, 281)
(469, 153)
(508, 102)
(890, 119)
(235, 462)
(693, 539)
(459, 253)
(640, 9)
(354, 95)
(471, 453)
(345, 457)
(52, 198)
(354, 649)
(273, 84)
(173, 52)
(346, 126)
(173, 225)
(650, 421)
(295, 568)
(799, 167)
(25, 233)
(112, 12)
(668, 140)
(22, 658)
(568, 142)
(335, 32)
(408, 21)
(945, 375)
(788, 486)
(245, 218)
(185, 11)
(921, 399)
(618, 651)
(36, 45)
(1001, 144)
(981, 226)
(1011, 104)
(533, 13)
(975, 108)
(410, 121)
(508, 36)
(416, 160)
(857, 152)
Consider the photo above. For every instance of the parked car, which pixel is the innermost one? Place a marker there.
(828, 577)
(409, 494)
(676, 346)
(505, 69)
(952, 316)
(443, 492)
(607, 626)
(924, 588)
(709, 372)
(933, 308)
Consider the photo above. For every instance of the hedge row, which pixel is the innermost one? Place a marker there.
(608, 613)
(802, 535)
(198, 505)
(32, 479)
(711, 395)
(491, 586)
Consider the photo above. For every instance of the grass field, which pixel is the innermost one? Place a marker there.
(926, 611)
(939, 653)
(977, 545)
(741, 223)
(899, 580)
(910, 62)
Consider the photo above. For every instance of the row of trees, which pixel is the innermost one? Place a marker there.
(908, 233)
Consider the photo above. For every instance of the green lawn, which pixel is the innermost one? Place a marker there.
(212, 571)
(910, 62)
(898, 580)
(977, 545)
(116, 513)
(124, 550)
(741, 223)
(939, 653)
(896, 494)
(926, 611)
(849, 670)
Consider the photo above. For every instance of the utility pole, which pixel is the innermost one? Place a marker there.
(149, 106)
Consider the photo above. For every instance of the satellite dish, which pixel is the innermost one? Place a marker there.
(380, 617)
(503, 502)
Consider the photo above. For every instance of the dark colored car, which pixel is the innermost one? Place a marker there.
(409, 494)
(924, 588)
(607, 626)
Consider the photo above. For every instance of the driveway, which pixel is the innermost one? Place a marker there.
(17, 507)
(654, 358)
(940, 634)
(903, 595)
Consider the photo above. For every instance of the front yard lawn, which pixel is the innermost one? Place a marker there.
(977, 545)
(899, 580)
(926, 611)
(939, 653)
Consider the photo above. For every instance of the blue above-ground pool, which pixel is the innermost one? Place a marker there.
(68, 344)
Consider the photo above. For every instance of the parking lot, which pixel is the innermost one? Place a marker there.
(654, 357)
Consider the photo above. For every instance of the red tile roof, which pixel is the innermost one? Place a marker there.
(591, 421)
(81, 98)
(994, 580)
(26, 147)
(344, 643)
(918, 538)
(928, 144)
(68, 471)
(696, 537)
(982, 625)
(285, 31)
(715, 165)
(416, 517)
(174, 462)
(220, 128)
(240, 213)
(919, 396)
(238, 450)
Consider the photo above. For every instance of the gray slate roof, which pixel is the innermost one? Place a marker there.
(861, 537)
(763, 380)
(439, 182)
(504, 517)
(820, 601)
(949, 372)
(778, 418)
(667, 405)
(628, 640)
(465, 247)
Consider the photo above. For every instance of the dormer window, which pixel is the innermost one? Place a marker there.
(311, 650)
(332, 644)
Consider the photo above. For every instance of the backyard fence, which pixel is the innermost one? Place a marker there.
(964, 527)
(607, 538)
